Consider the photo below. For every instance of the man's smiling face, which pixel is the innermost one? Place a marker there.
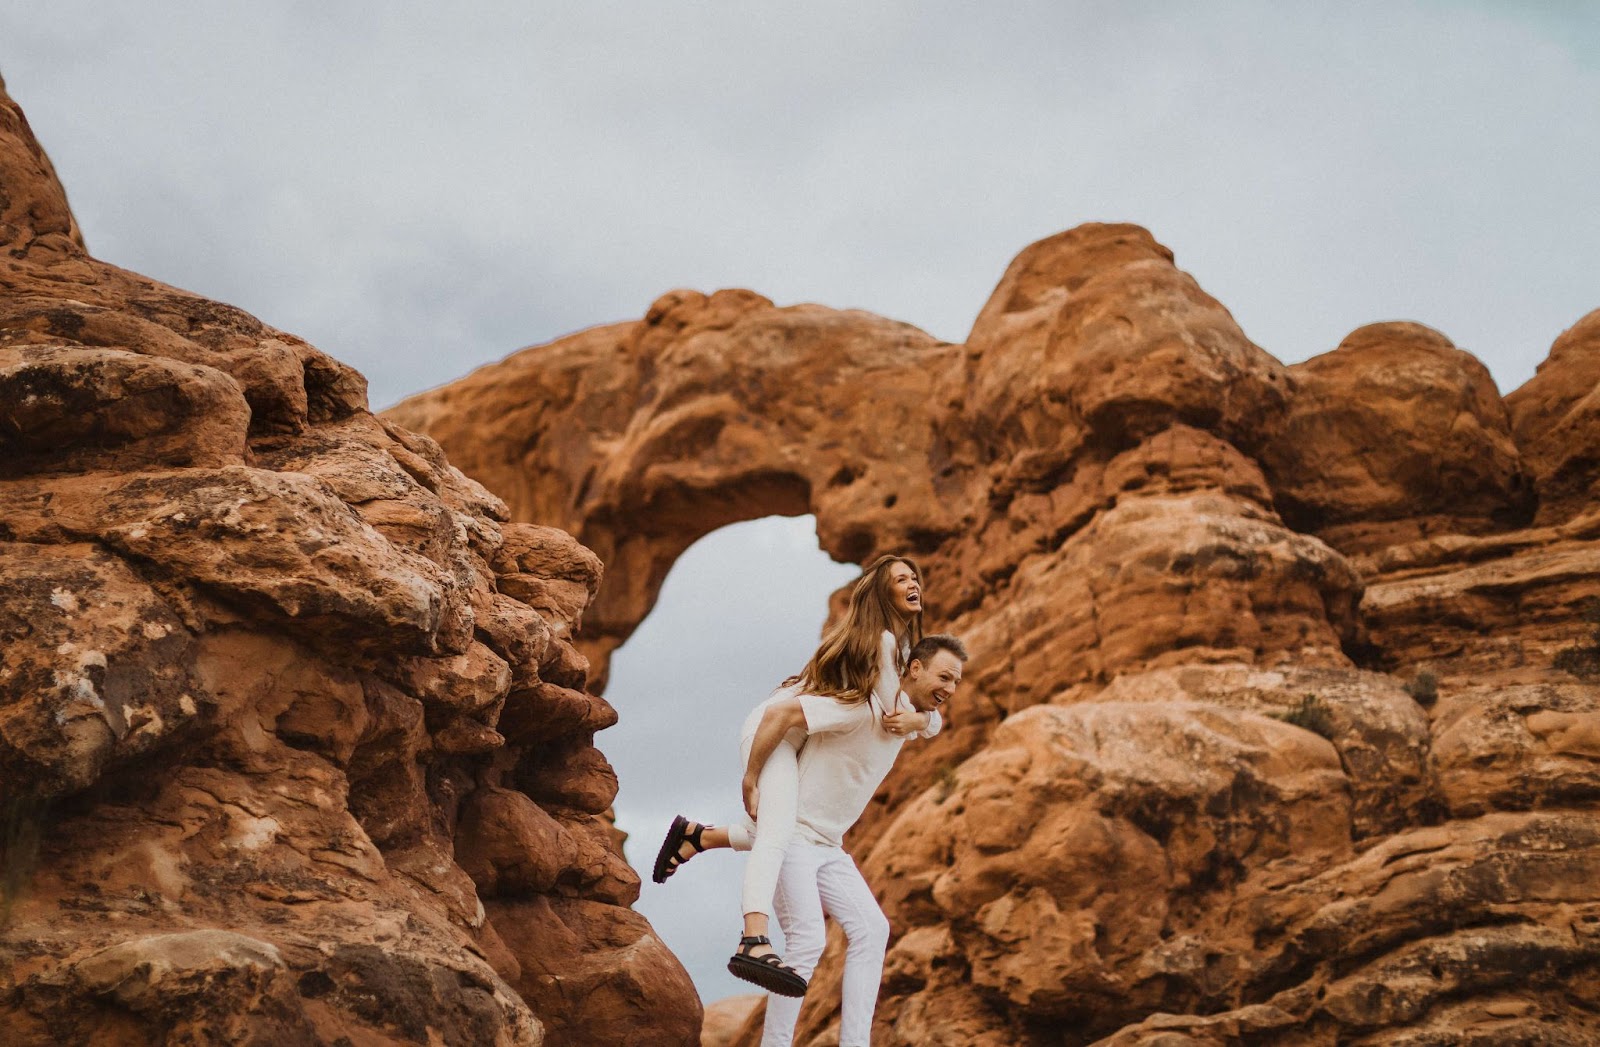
(931, 685)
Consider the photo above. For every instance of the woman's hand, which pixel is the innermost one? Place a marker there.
(903, 722)
(752, 795)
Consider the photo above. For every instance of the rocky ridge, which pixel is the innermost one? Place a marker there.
(1264, 740)
(295, 742)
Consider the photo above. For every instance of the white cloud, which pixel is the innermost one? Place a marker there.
(424, 192)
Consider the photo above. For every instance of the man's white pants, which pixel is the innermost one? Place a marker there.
(817, 880)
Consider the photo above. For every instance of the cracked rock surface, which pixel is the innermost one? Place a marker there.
(295, 746)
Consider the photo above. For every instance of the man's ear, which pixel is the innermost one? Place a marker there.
(915, 667)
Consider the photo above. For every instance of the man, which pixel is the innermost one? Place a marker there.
(849, 749)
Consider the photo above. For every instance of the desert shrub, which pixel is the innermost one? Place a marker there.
(1582, 659)
(946, 781)
(1311, 714)
(1423, 687)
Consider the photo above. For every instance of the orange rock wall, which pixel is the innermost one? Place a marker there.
(1263, 740)
(294, 740)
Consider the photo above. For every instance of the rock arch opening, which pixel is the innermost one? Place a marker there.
(643, 539)
(740, 609)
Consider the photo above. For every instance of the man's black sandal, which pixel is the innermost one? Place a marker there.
(667, 860)
(769, 972)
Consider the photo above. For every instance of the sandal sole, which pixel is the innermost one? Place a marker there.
(670, 847)
(768, 977)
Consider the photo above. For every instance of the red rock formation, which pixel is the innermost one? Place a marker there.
(590, 410)
(1394, 435)
(294, 743)
(726, 1018)
(1556, 417)
(1263, 740)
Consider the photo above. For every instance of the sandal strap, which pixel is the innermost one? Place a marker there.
(754, 939)
(674, 859)
(771, 960)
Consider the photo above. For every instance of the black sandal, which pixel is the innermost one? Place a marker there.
(667, 859)
(769, 971)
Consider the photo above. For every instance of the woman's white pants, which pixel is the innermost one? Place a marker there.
(779, 782)
(817, 881)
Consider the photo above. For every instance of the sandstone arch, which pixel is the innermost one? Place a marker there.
(639, 438)
(642, 438)
(1093, 482)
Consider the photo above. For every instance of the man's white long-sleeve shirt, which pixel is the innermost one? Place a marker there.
(848, 752)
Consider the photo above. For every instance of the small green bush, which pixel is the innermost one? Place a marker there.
(1312, 714)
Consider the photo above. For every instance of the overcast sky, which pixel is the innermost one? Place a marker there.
(420, 190)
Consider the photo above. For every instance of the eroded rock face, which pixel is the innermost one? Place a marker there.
(1556, 417)
(726, 1018)
(1263, 739)
(293, 731)
(1394, 435)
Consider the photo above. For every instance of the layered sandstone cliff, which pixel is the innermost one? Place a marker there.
(294, 740)
(1264, 740)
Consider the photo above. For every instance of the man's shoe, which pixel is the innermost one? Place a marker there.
(769, 972)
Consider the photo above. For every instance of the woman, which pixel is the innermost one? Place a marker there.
(859, 660)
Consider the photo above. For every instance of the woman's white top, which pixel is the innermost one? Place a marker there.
(884, 694)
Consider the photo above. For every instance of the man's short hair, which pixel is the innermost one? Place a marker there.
(932, 644)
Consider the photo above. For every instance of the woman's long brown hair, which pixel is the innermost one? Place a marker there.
(846, 663)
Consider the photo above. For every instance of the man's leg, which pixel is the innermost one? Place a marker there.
(799, 906)
(847, 898)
